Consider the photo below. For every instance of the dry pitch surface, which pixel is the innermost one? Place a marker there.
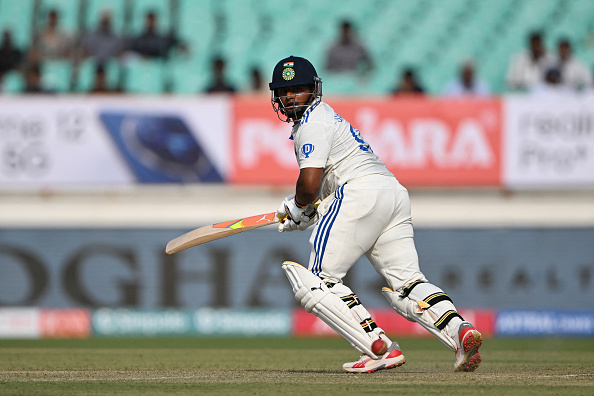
(286, 366)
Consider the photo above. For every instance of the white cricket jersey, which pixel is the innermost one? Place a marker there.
(323, 139)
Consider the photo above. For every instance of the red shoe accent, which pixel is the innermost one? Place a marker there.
(361, 364)
(469, 342)
(475, 360)
(394, 354)
(365, 364)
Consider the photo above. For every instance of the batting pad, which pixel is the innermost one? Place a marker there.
(413, 308)
(316, 298)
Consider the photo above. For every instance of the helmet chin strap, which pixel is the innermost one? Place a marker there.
(296, 112)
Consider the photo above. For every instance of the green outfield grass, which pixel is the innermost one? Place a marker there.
(286, 366)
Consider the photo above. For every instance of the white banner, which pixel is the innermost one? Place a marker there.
(48, 141)
(548, 142)
(19, 323)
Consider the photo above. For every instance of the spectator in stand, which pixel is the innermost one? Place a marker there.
(257, 85)
(102, 44)
(150, 43)
(408, 84)
(528, 67)
(101, 85)
(52, 43)
(33, 80)
(10, 56)
(219, 80)
(467, 83)
(574, 73)
(348, 54)
(551, 85)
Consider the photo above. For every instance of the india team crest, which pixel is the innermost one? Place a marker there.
(288, 73)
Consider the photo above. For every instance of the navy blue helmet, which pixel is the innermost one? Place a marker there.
(290, 72)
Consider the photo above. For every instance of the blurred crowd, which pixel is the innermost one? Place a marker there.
(102, 45)
(536, 70)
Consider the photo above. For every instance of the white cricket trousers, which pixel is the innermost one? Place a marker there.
(370, 215)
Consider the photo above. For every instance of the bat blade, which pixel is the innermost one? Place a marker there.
(219, 230)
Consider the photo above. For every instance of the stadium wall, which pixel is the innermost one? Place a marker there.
(35, 323)
(479, 268)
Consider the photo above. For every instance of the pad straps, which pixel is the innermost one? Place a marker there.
(443, 321)
(407, 289)
(431, 300)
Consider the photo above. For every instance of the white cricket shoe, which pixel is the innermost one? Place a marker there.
(392, 358)
(469, 341)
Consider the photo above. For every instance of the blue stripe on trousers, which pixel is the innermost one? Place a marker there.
(321, 239)
(326, 220)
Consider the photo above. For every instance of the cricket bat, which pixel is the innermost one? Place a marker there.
(220, 230)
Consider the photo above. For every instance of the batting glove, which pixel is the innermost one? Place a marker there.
(297, 217)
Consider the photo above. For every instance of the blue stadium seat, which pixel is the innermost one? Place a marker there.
(13, 82)
(340, 84)
(57, 75)
(144, 76)
(196, 28)
(86, 74)
(17, 16)
(188, 75)
(68, 11)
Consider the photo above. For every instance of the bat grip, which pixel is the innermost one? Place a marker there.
(283, 218)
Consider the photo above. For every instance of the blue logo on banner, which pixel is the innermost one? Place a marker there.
(160, 148)
(545, 323)
(307, 149)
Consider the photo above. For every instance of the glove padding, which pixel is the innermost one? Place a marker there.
(297, 217)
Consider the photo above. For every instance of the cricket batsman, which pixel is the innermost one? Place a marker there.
(363, 209)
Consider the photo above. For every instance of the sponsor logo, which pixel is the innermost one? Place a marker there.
(65, 323)
(264, 218)
(428, 141)
(307, 149)
(544, 322)
(242, 322)
(107, 321)
(549, 143)
(441, 143)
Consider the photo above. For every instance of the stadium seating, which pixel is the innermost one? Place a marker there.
(17, 16)
(13, 82)
(68, 11)
(188, 75)
(57, 75)
(432, 36)
(144, 76)
(86, 75)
